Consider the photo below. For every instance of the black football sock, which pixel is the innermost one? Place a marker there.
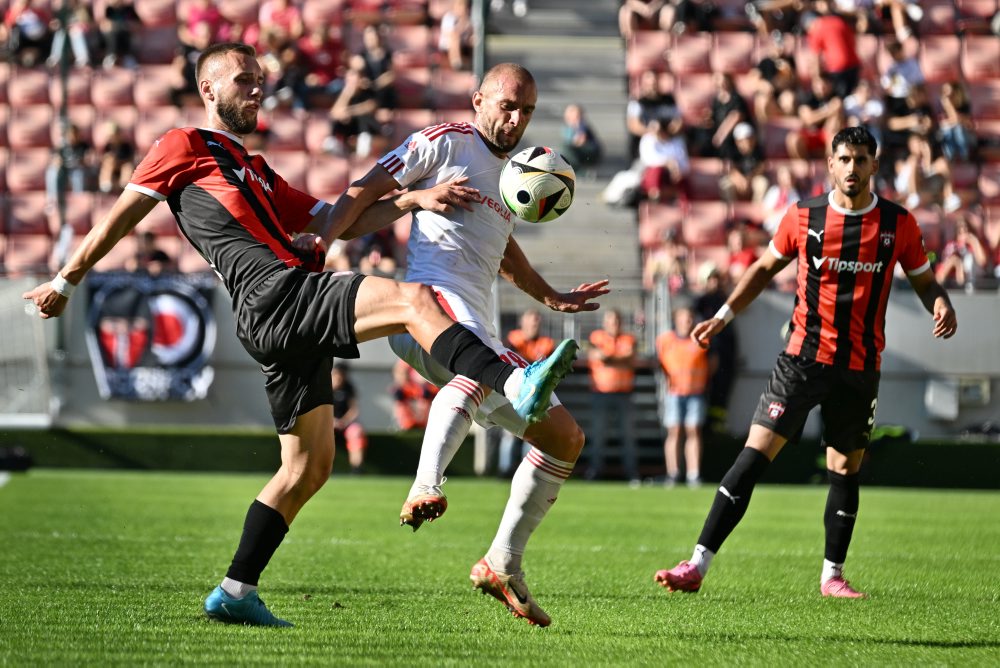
(732, 498)
(841, 514)
(263, 531)
(461, 351)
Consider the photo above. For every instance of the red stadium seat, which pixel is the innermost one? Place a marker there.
(360, 166)
(868, 47)
(112, 87)
(774, 135)
(974, 15)
(316, 130)
(243, 12)
(410, 46)
(28, 86)
(656, 220)
(27, 254)
(78, 85)
(749, 211)
(931, 226)
(694, 93)
(286, 132)
(160, 221)
(413, 87)
(408, 121)
(703, 181)
(733, 52)
(30, 127)
(454, 116)
(125, 117)
(151, 89)
(981, 57)
(985, 99)
(328, 176)
(26, 214)
(157, 12)
(4, 78)
(321, 12)
(939, 57)
(153, 123)
(452, 89)
(705, 224)
(156, 45)
(26, 169)
(79, 209)
(291, 165)
(82, 117)
(647, 50)
(989, 183)
(939, 18)
(690, 53)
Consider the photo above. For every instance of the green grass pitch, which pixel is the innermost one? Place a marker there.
(101, 568)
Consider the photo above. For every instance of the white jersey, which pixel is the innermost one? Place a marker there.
(461, 250)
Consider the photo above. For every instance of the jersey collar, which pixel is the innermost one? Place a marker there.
(851, 212)
(238, 140)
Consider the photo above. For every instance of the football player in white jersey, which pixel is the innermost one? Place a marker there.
(460, 240)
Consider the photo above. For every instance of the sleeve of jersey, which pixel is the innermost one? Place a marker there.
(913, 257)
(295, 208)
(785, 243)
(414, 158)
(166, 168)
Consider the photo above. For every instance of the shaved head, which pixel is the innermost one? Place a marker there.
(212, 59)
(504, 104)
(503, 75)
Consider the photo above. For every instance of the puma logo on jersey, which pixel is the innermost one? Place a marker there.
(215, 143)
(816, 233)
(847, 266)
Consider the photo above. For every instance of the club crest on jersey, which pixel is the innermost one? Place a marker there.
(887, 238)
(775, 410)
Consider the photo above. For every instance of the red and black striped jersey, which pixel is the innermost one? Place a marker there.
(845, 266)
(233, 208)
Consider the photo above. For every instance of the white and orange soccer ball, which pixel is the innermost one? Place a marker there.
(537, 184)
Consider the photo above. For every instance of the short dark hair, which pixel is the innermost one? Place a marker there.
(855, 136)
(221, 49)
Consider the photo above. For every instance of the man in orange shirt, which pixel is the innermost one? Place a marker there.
(529, 343)
(686, 367)
(612, 379)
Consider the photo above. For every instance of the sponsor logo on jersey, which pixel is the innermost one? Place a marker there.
(491, 203)
(847, 266)
(775, 410)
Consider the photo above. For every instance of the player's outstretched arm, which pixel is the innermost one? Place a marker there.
(516, 268)
(935, 299)
(751, 284)
(131, 207)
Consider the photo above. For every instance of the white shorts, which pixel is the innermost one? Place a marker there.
(495, 409)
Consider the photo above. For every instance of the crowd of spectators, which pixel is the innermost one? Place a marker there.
(766, 131)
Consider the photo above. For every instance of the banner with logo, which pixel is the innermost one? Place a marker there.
(151, 337)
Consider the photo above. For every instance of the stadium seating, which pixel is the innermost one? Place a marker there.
(980, 57)
(690, 54)
(939, 57)
(25, 169)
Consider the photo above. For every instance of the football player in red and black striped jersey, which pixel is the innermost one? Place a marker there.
(846, 244)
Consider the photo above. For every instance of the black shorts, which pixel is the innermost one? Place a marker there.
(847, 400)
(294, 323)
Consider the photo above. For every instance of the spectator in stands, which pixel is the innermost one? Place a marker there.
(119, 22)
(531, 345)
(149, 258)
(411, 397)
(821, 113)
(741, 253)
(904, 16)
(772, 17)
(378, 69)
(833, 41)
(864, 107)
(183, 87)
(694, 16)
(323, 52)
(580, 145)
(612, 379)
(82, 34)
(374, 253)
(685, 367)
(664, 161)
(347, 429)
(288, 86)
(668, 261)
(779, 196)
(352, 116)
(71, 164)
(956, 128)
(900, 78)
(636, 15)
(744, 178)
(722, 348)
(924, 177)
(776, 82)
(457, 35)
(714, 137)
(964, 260)
(283, 16)
(117, 160)
(27, 31)
(650, 103)
(915, 115)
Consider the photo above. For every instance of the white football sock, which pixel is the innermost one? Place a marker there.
(831, 570)
(702, 559)
(533, 490)
(236, 589)
(513, 384)
(448, 424)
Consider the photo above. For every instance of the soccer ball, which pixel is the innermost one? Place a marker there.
(537, 184)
